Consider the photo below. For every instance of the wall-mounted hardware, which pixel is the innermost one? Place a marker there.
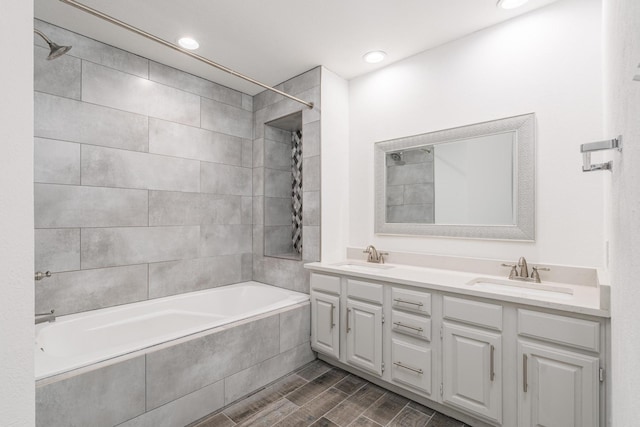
(587, 149)
(40, 275)
(45, 317)
(637, 76)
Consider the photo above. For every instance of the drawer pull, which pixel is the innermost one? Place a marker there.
(399, 300)
(348, 312)
(401, 365)
(402, 325)
(524, 373)
(492, 372)
(331, 322)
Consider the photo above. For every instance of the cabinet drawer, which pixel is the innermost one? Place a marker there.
(415, 301)
(324, 283)
(411, 365)
(474, 312)
(411, 324)
(579, 333)
(364, 291)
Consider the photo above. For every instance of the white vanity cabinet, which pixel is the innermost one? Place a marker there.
(472, 356)
(363, 326)
(411, 347)
(486, 361)
(325, 314)
(558, 380)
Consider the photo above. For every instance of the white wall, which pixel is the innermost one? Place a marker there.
(547, 62)
(622, 116)
(334, 165)
(17, 390)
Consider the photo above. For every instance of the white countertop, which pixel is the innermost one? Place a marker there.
(585, 299)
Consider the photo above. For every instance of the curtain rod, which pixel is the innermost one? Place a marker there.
(163, 42)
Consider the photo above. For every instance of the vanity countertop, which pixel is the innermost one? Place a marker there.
(582, 299)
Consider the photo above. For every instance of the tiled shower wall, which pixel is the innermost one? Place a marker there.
(143, 178)
(268, 106)
(278, 181)
(410, 187)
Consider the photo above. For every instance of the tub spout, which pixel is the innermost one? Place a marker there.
(45, 317)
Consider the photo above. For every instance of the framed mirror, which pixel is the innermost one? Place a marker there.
(474, 181)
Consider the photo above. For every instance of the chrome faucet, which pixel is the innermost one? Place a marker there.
(45, 317)
(524, 271)
(374, 255)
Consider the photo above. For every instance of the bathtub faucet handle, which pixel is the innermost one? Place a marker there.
(40, 275)
(45, 317)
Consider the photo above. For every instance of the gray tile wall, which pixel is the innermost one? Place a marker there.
(182, 383)
(143, 178)
(410, 190)
(272, 183)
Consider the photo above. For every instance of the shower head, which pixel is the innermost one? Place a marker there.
(55, 49)
(397, 158)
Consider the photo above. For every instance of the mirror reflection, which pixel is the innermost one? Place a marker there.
(474, 181)
(471, 181)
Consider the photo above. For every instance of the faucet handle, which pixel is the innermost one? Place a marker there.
(535, 275)
(381, 256)
(514, 270)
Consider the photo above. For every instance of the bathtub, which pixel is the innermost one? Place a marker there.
(83, 339)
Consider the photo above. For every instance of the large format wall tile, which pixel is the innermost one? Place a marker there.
(178, 140)
(60, 206)
(184, 410)
(75, 121)
(224, 179)
(106, 167)
(277, 183)
(277, 155)
(277, 211)
(311, 208)
(102, 398)
(227, 119)
(177, 208)
(181, 369)
(277, 240)
(92, 50)
(106, 247)
(60, 77)
(174, 277)
(84, 290)
(111, 88)
(57, 249)
(56, 162)
(295, 327)
(190, 83)
(225, 239)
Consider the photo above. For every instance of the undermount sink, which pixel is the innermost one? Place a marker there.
(512, 287)
(363, 266)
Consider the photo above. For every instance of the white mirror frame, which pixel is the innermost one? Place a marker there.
(524, 227)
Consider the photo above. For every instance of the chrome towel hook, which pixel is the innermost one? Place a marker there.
(587, 149)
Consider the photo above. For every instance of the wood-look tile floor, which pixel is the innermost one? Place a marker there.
(321, 395)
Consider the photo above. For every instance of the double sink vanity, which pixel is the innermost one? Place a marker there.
(467, 340)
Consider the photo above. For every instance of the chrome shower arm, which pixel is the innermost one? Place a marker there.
(163, 42)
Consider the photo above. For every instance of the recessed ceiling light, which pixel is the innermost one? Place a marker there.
(511, 4)
(188, 43)
(374, 56)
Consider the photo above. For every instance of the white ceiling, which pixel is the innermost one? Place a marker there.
(274, 40)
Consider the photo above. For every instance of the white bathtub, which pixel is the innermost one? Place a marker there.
(83, 339)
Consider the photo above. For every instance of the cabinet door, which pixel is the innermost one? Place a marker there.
(364, 335)
(472, 370)
(325, 328)
(557, 388)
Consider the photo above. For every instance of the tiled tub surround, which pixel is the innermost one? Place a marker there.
(269, 106)
(181, 381)
(143, 178)
(83, 339)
